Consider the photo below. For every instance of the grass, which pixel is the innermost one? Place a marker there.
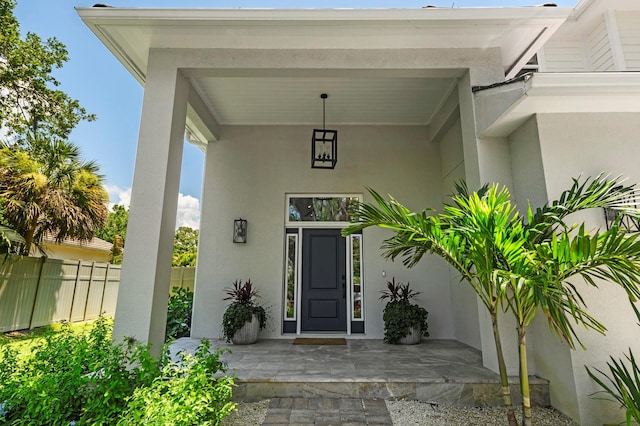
(23, 340)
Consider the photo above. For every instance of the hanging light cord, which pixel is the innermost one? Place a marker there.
(323, 107)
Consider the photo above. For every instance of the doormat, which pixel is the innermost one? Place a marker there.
(319, 341)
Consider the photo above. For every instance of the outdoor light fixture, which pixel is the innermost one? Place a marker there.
(324, 144)
(240, 231)
(626, 222)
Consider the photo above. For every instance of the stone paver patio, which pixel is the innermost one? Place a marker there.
(439, 371)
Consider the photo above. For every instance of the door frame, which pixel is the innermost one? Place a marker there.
(297, 228)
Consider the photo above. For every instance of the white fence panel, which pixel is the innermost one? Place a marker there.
(36, 291)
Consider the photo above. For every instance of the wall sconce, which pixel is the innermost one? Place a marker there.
(628, 223)
(240, 231)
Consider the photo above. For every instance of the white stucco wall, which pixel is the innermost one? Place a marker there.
(463, 298)
(249, 171)
(587, 144)
(551, 358)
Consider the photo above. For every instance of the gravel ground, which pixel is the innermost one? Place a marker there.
(412, 413)
(249, 413)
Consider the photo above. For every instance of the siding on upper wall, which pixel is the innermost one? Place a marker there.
(600, 49)
(630, 38)
(563, 56)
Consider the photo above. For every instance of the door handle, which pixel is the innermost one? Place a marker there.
(344, 287)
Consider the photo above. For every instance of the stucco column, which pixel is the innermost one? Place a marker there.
(141, 311)
(486, 161)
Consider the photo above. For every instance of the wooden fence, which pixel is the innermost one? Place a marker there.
(36, 291)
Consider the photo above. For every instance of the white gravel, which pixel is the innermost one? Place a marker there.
(419, 413)
(249, 413)
(412, 413)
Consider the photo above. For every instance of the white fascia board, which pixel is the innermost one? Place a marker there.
(551, 93)
(156, 15)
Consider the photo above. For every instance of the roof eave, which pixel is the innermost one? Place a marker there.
(557, 93)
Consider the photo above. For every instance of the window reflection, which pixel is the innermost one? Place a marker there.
(320, 209)
(356, 276)
(291, 277)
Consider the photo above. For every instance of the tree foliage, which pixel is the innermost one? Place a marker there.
(185, 242)
(46, 186)
(48, 189)
(10, 240)
(185, 246)
(115, 231)
(29, 94)
(116, 225)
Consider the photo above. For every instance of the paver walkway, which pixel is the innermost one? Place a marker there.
(327, 411)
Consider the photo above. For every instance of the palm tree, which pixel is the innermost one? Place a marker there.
(515, 264)
(48, 189)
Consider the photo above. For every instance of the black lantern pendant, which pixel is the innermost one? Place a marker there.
(324, 144)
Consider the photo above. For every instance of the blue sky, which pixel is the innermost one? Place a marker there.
(105, 88)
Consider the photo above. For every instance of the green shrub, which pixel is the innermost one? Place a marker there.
(71, 376)
(399, 314)
(185, 393)
(399, 317)
(179, 314)
(242, 308)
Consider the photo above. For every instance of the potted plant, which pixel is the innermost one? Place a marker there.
(244, 318)
(404, 323)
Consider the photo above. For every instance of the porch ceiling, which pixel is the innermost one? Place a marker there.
(292, 101)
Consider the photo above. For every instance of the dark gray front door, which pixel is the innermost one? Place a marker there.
(324, 306)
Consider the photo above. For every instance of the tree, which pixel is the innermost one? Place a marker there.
(116, 224)
(185, 246)
(9, 238)
(115, 231)
(517, 265)
(29, 99)
(48, 189)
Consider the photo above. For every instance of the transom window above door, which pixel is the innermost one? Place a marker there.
(304, 208)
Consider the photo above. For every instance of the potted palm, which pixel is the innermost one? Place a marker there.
(404, 323)
(244, 318)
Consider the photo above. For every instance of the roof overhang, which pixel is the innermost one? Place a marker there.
(506, 107)
(360, 96)
(129, 33)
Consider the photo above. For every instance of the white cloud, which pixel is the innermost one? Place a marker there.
(188, 212)
(188, 206)
(118, 195)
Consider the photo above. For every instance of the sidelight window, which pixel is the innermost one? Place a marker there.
(291, 277)
(356, 277)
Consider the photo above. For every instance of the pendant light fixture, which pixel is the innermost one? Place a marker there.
(324, 144)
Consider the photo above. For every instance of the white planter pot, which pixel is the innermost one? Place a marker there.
(248, 333)
(413, 337)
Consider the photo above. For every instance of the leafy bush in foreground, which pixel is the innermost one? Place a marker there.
(179, 313)
(185, 393)
(83, 378)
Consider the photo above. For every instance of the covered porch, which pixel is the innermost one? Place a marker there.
(246, 85)
(437, 370)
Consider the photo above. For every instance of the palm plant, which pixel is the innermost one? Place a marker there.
(512, 264)
(48, 189)
(622, 383)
